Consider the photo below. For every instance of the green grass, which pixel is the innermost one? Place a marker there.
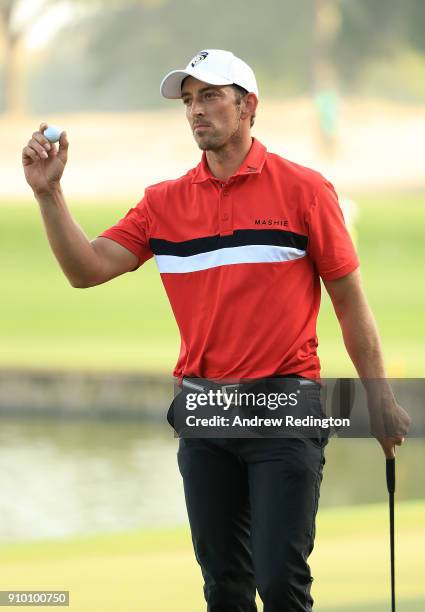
(392, 259)
(156, 569)
(128, 323)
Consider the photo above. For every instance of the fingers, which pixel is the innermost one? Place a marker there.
(389, 444)
(392, 423)
(388, 447)
(63, 147)
(390, 453)
(29, 156)
(38, 147)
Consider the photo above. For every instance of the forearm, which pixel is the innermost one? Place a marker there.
(70, 245)
(389, 423)
(362, 341)
(363, 344)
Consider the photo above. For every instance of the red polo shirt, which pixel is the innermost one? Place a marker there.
(240, 262)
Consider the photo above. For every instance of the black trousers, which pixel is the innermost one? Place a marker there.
(252, 504)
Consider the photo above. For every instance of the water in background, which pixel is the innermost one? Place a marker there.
(61, 478)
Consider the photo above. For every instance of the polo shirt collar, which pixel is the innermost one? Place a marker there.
(252, 164)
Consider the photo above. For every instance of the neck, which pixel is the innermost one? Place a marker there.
(224, 162)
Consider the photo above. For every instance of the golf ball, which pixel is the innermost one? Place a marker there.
(52, 133)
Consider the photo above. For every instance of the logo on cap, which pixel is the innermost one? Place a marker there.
(198, 58)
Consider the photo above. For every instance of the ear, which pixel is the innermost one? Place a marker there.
(248, 105)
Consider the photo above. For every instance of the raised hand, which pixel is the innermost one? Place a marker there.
(43, 161)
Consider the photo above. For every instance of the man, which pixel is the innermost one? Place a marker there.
(240, 242)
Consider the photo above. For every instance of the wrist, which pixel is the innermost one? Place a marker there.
(381, 403)
(48, 194)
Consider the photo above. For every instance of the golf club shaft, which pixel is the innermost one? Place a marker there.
(392, 552)
(390, 469)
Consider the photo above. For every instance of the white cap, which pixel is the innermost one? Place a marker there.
(213, 66)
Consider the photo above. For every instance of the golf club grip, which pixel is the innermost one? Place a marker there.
(391, 475)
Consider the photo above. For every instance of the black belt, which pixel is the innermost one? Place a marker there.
(203, 385)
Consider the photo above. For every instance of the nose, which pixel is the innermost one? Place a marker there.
(196, 108)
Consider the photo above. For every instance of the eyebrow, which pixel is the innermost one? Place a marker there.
(202, 90)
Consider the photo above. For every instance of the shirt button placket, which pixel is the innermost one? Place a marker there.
(225, 211)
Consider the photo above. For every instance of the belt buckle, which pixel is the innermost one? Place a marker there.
(225, 387)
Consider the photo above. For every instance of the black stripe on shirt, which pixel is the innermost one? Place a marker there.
(196, 246)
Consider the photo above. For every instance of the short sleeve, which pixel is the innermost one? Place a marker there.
(132, 231)
(329, 243)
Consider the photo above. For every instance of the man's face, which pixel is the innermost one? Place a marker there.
(212, 113)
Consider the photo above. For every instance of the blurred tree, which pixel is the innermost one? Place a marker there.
(369, 29)
(113, 57)
(17, 17)
(150, 39)
(14, 99)
(13, 30)
(294, 47)
(415, 12)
